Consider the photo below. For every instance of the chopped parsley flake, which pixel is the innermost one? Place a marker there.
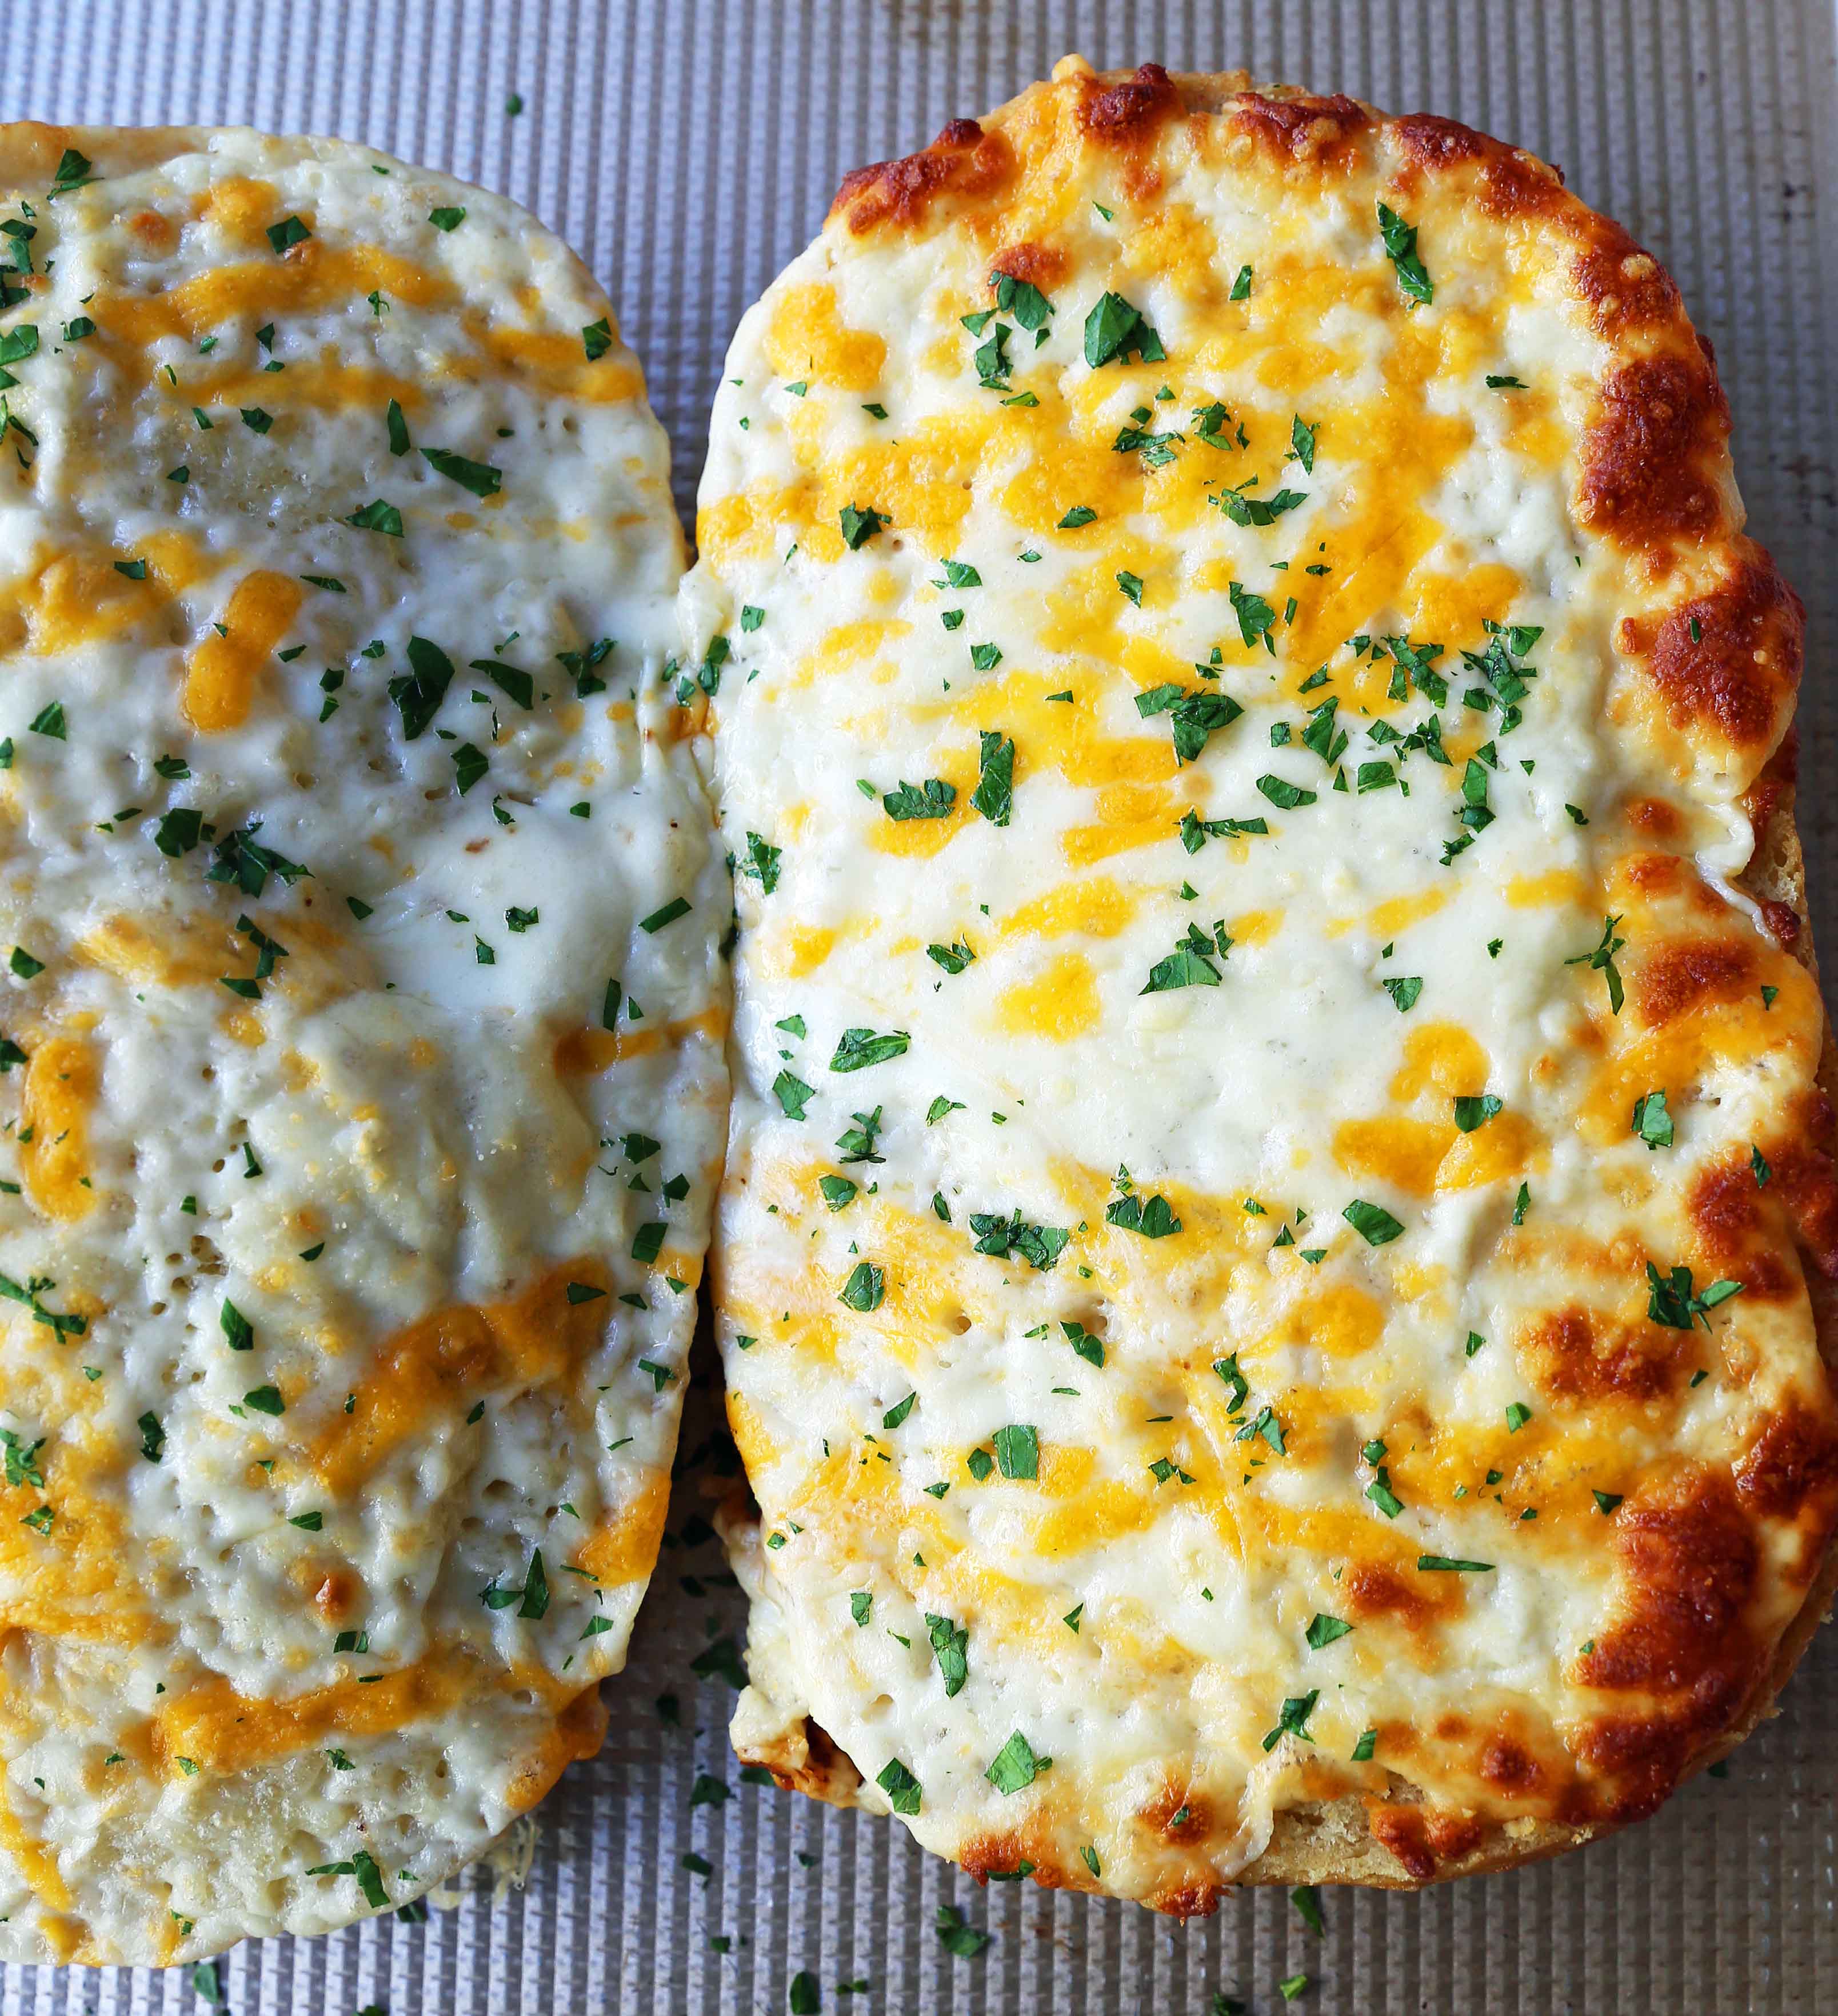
(865, 1288)
(859, 526)
(994, 795)
(962, 1941)
(856, 1049)
(1018, 1451)
(1302, 440)
(902, 1789)
(950, 1642)
(1193, 714)
(1039, 1245)
(793, 1095)
(762, 863)
(1255, 616)
(479, 477)
(1652, 1122)
(1602, 960)
(1153, 1217)
(934, 799)
(376, 516)
(1372, 1222)
(1191, 964)
(1400, 248)
(1671, 1302)
(1015, 1766)
(1243, 510)
(1293, 1719)
(1114, 328)
(1285, 796)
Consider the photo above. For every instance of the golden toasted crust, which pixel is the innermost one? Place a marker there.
(1712, 654)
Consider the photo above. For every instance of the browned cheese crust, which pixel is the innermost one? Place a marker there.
(1717, 638)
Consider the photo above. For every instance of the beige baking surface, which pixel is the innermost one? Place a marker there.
(687, 151)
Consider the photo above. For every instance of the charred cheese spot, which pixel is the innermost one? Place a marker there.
(1651, 458)
(1186, 1897)
(1377, 1594)
(1626, 287)
(1783, 922)
(964, 162)
(1684, 976)
(1803, 1166)
(999, 1853)
(1042, 266)
(1736, 1225)
(1130, 113)
(1580, 1356)
(1654, 818)
(1687, 1565)
(1422, 1839)
(1428, 141)
(1509, 1760)
(1790, 1469)
(336, 1594)
(1318, 133)
(1728, 660)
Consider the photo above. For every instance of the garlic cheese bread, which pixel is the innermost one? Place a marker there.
(361, 1076)
(1266, 1266)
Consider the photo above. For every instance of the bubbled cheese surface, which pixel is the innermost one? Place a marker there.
(363, 1086)
(1218, 905)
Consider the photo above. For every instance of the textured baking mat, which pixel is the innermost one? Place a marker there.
(687, 151)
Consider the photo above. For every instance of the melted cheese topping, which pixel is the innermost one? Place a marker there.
(362, 1086)
(1217, 1064)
